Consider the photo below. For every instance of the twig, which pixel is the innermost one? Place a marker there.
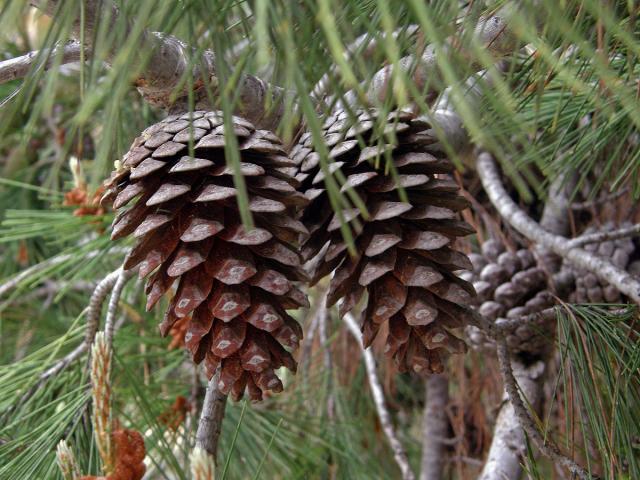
(509, 324)
(399, 454)
(519, 220)
(632, 231)
(326, 352)
(546, 446)
(20, 67)
(112, 309)
(600, 200)
(435, 426)
(211, 418)
(49, 290)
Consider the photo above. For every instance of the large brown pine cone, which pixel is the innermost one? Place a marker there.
(622, 252)
(234, 285)
(404, 257)
(511, 285)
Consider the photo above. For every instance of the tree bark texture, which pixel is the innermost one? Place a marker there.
(435, 427)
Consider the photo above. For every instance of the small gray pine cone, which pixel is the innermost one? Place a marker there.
(405, 256)
(510, 285)
(622, 252)
(232, 284)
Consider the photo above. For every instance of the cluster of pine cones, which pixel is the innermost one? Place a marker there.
(512, 284)
(231, 288)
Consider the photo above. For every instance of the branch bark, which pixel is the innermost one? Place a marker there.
(492, 34)
(211, 418)
(561, 246)
(112, 308)
(166, 61)
(508, 447)
(631, 231)
(527, 423)
(435, 427)
(19, 67)
(399, 452)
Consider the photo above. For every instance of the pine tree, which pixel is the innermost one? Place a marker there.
(342, 177)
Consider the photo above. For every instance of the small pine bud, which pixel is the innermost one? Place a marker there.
(67, 461)
(79, 180)
(101, 396)
(202, 465)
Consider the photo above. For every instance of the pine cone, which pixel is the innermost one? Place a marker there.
(510, 285)
(404, 251)
(234, 284)
(621, 252)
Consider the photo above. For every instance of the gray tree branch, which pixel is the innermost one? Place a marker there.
(167, 60)
(625, 232)
(545, 445)
(399, 452)
(211, 417)
(19, 67)
(518, 219)
(435, 427)
(508, 445)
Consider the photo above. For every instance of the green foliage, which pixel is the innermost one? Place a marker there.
(600, 357)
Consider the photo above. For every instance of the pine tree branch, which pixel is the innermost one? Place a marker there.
(546, 446)
(211, 417)
(112, 309)
(399, 452)
(508, 443)
(491, 33)
(326, 353)
(167, 60)
(20, 67)
(632, 231)
(435, 427)
(508, 446)
(559, 245)
(521, 413)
